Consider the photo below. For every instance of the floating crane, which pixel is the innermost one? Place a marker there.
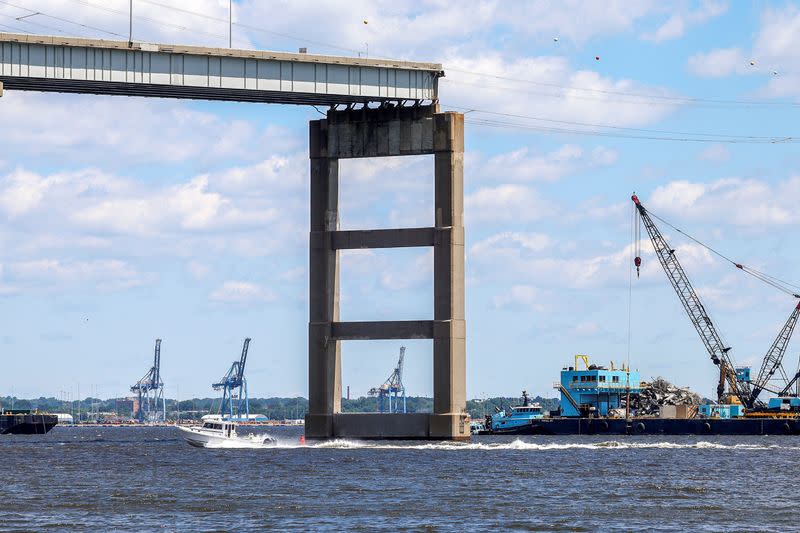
(739, 383)
(773, 361)
(150, 392)
(234, 401)
(392, 391)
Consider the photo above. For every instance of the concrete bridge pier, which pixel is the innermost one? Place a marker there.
(384, 132)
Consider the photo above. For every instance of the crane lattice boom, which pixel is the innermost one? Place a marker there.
(694, 308)
(773, 360)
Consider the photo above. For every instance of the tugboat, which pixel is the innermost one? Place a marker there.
(25, 422)
(521, 419)
(221, 432)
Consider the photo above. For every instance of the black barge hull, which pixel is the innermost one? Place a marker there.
(26, 424)
(657, 426)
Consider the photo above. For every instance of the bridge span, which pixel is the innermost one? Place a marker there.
(378, 108)
(62, 64)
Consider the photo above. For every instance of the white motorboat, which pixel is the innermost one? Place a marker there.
(221, 433)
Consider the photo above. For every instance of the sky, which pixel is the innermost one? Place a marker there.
(127, 219)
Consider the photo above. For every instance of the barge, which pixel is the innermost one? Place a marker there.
(19, 422)
(600, 401)
(655, 426)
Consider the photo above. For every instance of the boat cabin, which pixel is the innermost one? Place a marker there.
(594, 388)
(520, 415)
(226, 428)
(785, 403)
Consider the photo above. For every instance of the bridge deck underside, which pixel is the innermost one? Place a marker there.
(111, 67)
(191, 93)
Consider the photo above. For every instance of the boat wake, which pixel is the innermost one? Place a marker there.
(249, 442)
(522, 445)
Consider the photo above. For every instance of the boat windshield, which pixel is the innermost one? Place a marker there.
(531, 409)
(211, 425)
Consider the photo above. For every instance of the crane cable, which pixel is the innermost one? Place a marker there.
(782, 285)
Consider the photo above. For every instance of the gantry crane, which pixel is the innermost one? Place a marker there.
(392, 391)
(738, 379)
(233, 401)
(149, 390)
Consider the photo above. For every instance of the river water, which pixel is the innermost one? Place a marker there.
(148, 479)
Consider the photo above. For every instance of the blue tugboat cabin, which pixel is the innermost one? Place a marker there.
(595, 389)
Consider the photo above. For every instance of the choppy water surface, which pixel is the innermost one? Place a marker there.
(145, 479)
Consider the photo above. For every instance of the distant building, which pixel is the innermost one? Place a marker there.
(127, 405)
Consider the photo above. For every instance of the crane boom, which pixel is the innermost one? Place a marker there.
(243, 360)
(694, 307)
(789, 385)
(774, 357)
(157, 365)
(397, 376)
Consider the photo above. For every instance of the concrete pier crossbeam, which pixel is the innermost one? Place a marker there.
(385, 132)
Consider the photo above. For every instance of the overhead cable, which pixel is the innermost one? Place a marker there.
(781, 285)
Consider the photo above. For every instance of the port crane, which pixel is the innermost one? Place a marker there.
(149, 391)
(740, 385)
(234, 401)
(392, 390)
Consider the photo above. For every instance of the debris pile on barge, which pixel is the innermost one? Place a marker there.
(660, 392)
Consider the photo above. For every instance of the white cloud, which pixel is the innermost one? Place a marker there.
(393, 29)
(89, 209)
(774, 54)
(751, 203)
(241, 292)
(506, 203)
(533, 242)
(103, 274)
(718, 63)
(603, 156)
(276, 173)
(420, 273)
(114, 130)
(575, 20)
(546, 87)
(587, 328)
(23, 191)
(510, 259)
(717, 153)
(521, 297)
(198, 270)
(675, 26)
(520, 165)
(293, 274)
(671, 29)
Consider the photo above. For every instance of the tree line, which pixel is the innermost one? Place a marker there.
(272, 408)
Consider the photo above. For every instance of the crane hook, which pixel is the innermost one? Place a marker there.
(638, 263)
